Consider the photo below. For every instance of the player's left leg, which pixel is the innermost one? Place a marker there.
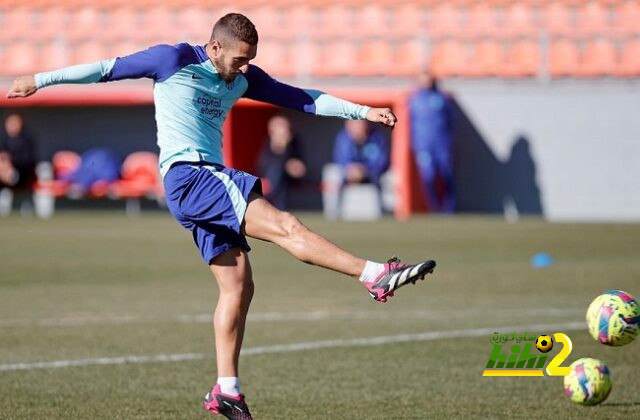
(232, 272)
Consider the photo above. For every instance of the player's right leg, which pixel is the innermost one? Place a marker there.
(264, 221)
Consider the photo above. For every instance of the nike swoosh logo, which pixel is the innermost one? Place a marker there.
(193, 76)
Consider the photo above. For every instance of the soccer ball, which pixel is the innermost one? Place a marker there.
(544, 343)
(589, 382)
(613, 318)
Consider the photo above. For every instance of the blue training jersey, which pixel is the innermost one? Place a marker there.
(192, 100)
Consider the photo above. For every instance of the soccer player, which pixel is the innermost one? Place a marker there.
(195, 86)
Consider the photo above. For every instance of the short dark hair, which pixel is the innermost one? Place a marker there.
(235, 26)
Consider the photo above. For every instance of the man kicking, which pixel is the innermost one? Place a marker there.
(195, 86)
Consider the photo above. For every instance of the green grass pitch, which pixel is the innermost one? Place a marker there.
(100, 285)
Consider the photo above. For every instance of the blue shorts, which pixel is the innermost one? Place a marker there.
(210, 201)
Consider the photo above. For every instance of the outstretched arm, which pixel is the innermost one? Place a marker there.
(264, 88)
(157, 63)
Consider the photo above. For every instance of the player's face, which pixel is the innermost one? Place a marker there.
(231, 57)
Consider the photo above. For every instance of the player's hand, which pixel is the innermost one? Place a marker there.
(382, 115)
(22, 87)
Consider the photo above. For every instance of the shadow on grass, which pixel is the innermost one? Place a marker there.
(622, 404)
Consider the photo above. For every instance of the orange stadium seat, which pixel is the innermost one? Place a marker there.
(299, 20)
(409, 59)
(53, 23)
(122, 23)
(54, 55)
(519, 20)
(599, 58)
(407, 19)
(85, 22)
(557, 18)
(20, 57)
(336, 21)
(337, 58)
(444, 19)
(269, 21)
(593, 18)
(564, 58)
(89, 51)
(371, 20)
(17, 23)
(487, 59)
(158, 25)
(374, 58)
(629, 62)
(523, 59)
(481, 20)
(448, 58)
(274, 57)
(627, 17)
(193, 24)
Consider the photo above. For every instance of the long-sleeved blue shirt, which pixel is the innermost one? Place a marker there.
(192, 100)
(373, 154)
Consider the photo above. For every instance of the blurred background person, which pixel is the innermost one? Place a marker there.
(362, 152)
(280, 162)
(432, 142)
(18, 159)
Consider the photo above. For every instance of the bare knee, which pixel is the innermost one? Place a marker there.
(289, 226)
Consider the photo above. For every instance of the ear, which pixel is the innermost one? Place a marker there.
(216, 47)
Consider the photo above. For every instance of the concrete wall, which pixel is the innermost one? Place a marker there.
(568, 149)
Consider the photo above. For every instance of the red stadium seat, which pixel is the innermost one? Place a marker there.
(448, 58)
(629, 63)
(599, 58)
(564, 58)
(64, 163)
(523, 59)
(139, 177)
(299, 20)
(487, 59)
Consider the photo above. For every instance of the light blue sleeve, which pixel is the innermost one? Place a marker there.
(82, 73)
(331, 106)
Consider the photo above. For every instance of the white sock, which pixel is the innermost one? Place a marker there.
(371, 271)
(229, 385)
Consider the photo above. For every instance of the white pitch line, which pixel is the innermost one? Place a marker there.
(287, 348)
(286, 316)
